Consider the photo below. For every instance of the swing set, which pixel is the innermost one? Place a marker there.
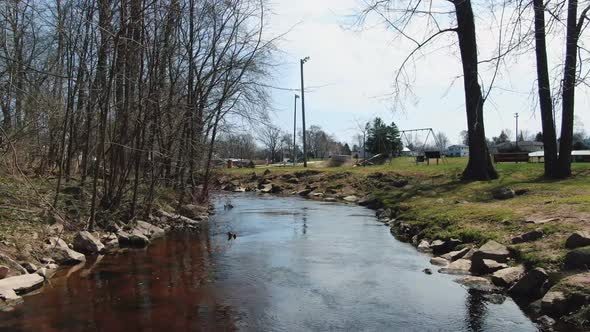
(422, 154)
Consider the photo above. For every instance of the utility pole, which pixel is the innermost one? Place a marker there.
(516, 117)
(303, 61)
(294, 156)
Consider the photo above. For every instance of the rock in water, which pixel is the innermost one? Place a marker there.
(86, 243)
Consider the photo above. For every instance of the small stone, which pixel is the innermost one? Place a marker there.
(304, 192)
(440, 247)
(351, 199)
(491, 266)
(454, 255)
(578, 239)
(546, 321)
(4, 270)
(427, 271)
(477, 283)
(30, 267)
(47, 260)
(439, 261)
(460, 266)
(132, 239)
(504, 193)
(528, 237)
(507, 277)
(424, 246)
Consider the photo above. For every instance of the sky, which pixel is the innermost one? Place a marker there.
(349, 77)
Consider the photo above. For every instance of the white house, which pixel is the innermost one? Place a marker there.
(457, 151)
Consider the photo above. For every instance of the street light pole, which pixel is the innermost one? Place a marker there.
(294, 156)
(516, 116)
(303, 61)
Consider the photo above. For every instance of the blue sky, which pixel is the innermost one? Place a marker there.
(351, 72)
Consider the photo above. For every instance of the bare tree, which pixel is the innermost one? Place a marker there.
(402, 17)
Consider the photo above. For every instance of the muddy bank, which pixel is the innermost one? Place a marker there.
(556, 296)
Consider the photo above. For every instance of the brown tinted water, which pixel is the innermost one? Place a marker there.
(296, 265)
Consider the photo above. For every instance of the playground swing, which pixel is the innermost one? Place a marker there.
(421, 154)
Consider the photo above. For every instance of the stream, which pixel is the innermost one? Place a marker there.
(296, 265)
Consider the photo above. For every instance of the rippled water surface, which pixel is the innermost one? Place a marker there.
(296, 265)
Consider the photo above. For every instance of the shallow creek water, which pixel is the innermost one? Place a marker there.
(296, 265)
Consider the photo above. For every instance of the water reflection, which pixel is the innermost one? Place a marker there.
(276, 275)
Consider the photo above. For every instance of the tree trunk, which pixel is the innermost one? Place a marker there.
(545, 101)
(480, 165)
(569, 85)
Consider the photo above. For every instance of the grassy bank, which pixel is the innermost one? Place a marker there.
(446, 207)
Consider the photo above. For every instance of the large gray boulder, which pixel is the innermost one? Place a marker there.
(60, 252)
(86, 243)
(507, 277)
(532, 285)
(22, 284)
(578, 239)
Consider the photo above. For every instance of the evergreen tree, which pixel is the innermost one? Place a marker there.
(383, 138)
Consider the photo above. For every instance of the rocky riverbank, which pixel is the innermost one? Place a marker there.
(555, 294)
(25, 268)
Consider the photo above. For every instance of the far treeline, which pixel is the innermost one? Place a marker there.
(124, 96)
(523, 28)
